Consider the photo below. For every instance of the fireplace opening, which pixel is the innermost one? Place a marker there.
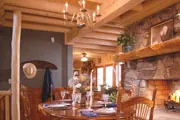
(173, 102)
(168, 92)
(175, 96)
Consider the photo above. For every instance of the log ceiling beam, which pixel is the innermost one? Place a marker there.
(98, 42)
(75, 49)
(103, 36)
(35, 26)
(149, 7)
(39, 19)
(44, 5)
(110, 30)
(98, 1)
(138, 8)
(114, 25)
(114, 10)
(118, 7)
(34, 11)
(1, 11)
(96, 47)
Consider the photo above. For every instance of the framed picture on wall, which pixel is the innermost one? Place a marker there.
(76, 72)
(162, 32)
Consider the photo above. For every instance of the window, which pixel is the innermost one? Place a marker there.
(99, 77)
(118, 73)
(109, 75)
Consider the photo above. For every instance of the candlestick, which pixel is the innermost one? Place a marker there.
(64, 15)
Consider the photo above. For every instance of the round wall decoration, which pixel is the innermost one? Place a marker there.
(29, 70)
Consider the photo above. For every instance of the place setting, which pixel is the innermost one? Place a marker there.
(100, 108)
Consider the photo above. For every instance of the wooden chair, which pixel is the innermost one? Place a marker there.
(136, 108)
(26, 109)
(122, 92)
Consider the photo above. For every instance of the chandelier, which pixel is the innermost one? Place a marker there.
(82, 18)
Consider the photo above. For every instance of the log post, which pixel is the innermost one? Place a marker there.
(15, 66)
(7, 108)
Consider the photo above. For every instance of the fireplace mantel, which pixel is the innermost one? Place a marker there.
(166, 47)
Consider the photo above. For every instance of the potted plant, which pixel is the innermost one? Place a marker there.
(126, 40)
(111, 91)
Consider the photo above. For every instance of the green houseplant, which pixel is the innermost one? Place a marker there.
(126, 40)
(112, 91)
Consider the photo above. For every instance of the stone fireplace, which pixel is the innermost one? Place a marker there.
(163, 71)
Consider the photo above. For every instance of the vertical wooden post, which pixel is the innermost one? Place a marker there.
(114, 72)
(7, 107)
(15, 66)
(122, 74)
(104, 74)
(152, 109)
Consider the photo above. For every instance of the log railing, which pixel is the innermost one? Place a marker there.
(5, 102)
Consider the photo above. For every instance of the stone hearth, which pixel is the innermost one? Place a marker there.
(166, 115)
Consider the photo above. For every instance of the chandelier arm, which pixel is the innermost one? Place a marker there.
(74, 14)
(89, 19)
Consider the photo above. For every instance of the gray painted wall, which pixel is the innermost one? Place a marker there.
(36, 45)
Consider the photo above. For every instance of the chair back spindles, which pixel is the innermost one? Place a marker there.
(136, 108)
(25, 102)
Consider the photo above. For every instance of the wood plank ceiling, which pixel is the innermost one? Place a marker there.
(101, 39)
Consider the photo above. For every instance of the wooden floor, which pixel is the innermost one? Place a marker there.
(166, 115)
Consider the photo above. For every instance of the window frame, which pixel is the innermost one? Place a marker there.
(104, 74)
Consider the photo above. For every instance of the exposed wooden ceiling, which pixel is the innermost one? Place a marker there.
(101, 39)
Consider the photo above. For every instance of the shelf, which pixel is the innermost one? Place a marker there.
(166, 47)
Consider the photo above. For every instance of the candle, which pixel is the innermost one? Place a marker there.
(74, 89)
(83, 4)
(66, 7)
(65, 18)
(98, 10)
(74, 85)
(94, 17)
(91, 81)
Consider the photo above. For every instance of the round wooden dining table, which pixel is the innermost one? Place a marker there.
(71, 114)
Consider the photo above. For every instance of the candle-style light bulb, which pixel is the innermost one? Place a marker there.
(98, 10)
(83, 4)
(66, 7)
